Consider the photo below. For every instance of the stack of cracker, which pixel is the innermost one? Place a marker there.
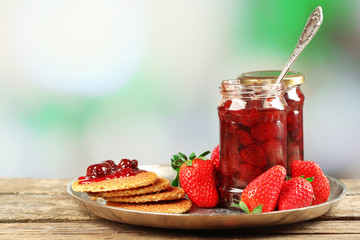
(143, 192)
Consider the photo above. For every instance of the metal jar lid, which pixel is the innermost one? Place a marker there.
(291, 78)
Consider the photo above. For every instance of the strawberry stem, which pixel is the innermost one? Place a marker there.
(189, 163)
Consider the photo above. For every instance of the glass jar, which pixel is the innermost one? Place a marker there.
(295, 101)
(252, 117)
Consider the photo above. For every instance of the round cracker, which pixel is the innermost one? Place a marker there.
(176, 206)
(159, 185)
(172, 193)
(122, 183)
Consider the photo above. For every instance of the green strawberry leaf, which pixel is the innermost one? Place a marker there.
(176, 163)
(183, 156)
(244, 207)
(310, 179)
(235, 204)
(175, 182)
(258, 209)
(189, 163)
(192, 156)
(204, 154)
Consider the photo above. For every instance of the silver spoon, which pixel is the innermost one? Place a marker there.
(312, 26)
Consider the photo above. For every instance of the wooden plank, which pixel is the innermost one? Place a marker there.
(348, 208)
(353, 186)
(99, 229)
(179, 237)
(33, 186)
(25, 208)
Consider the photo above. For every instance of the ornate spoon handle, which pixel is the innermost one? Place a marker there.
(312, 26)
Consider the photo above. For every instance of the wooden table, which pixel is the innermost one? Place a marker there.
(42, 209)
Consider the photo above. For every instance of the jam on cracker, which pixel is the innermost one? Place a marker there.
(109, 169)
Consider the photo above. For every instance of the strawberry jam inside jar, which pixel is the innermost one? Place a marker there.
(295, 100)
(252, 115)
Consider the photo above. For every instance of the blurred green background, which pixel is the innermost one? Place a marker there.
(86, 81)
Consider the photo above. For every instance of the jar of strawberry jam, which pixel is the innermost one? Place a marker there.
(295, 100)
(252, 115)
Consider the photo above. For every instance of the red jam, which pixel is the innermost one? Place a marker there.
(108, 169)
(295, 101)
(252, 134)
(295, 143)
(251, 141)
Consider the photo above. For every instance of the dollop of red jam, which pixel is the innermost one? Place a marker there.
(109, 169)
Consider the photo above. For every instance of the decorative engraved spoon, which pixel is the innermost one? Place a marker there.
(312, 26)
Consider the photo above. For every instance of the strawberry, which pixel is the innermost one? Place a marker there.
(246, 117)
(296, 193)
(197, 178)
(247, 174)
(262, 194)
(293, 120)
(264, 131)
(244, 137)
(274, 152)
(320, 183)
(254, 155)
(215, 158)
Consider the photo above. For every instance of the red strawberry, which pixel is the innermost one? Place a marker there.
(247, 174)
(244, 137)
(293, 120)
(296, 193)
(262, 194)
(254, 155)
(264, 131)
(248, 117)
(320, 184)
(197, 178)
(215, 158)
(274, 152)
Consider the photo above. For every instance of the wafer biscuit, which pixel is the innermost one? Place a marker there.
(175, 206)
(172, 193)
(139, 180)
(159, 185)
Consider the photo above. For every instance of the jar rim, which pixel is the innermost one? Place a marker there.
(291, 77)
(235, 86)
(250, 81)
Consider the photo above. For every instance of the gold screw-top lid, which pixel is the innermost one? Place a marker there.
(291, 78)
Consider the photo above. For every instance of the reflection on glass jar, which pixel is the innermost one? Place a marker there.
(252, 117)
